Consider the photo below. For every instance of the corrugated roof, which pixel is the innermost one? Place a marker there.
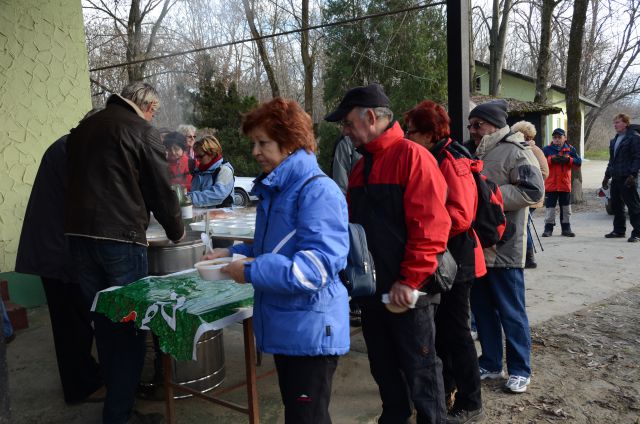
(519, 107)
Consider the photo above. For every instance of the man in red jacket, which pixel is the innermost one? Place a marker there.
(561, 157)
(398, 195)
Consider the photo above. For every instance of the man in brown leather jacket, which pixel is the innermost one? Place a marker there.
(117, 175)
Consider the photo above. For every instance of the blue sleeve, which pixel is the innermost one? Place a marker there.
(547, 151)
(215, 194)
(245, 249)
(322, 245)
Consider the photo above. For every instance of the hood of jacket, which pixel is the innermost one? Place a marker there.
(490, 141)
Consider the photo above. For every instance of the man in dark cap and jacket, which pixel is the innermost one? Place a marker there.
(622, 169)
(397, 193)
(498, 299)
(117, 174)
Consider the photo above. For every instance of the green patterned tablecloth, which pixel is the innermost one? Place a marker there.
(178, 308)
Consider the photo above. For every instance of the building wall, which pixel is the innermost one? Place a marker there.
(44, 91)
(520, 89)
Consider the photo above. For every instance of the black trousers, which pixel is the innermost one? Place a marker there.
(455, 347)
(621, 195)
(404, 364)
(73, 338)
(305, 387)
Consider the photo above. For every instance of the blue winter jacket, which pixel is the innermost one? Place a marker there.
(626, 160)
(301, 241)
(204, 192)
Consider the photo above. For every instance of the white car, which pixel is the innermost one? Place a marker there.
(241, 189)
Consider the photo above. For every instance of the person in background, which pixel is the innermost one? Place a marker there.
(622, 169)
(189, 132)
(345, 157)
(163, 133)
(212, 183)
(116, 176)
(529, 132)
(498, 299)
(180, 166)
(398, 195)
(301, 312)
(428, 125)
(561, 157)
(44, 251)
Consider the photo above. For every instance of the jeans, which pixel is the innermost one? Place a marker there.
(498, 303)
(305, 387)
(404, 364)
(621, 195)
(121, 348)
(7, 329)
(456, 349)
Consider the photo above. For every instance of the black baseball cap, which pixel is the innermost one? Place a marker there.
(558, 131)
(371, 95)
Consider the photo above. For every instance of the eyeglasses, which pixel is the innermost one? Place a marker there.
(191, 136)
(345, 124)
(475, 125)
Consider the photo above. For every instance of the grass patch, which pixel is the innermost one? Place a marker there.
(597, 154)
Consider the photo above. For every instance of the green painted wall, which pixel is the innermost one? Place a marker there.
(521, 89)
(44, 91)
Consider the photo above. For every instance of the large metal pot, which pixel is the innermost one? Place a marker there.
(166, 257)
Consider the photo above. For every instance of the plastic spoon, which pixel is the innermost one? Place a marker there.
(207, 242)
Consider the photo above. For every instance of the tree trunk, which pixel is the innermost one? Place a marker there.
(498, 41)
(544, 54)
(307, 60)
(574, 58)
(275, 90)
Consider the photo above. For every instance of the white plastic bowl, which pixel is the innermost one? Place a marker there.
(197, 226)
(210, 270)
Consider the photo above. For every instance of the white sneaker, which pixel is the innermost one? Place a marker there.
(517, 384)
(494, 375)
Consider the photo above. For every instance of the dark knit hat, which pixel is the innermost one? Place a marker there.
(494, 112)
(175, 139)
(370, 96)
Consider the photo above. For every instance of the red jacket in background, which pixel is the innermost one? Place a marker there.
(179, 172)
(560, 173)
(462, 203)
(402, 210)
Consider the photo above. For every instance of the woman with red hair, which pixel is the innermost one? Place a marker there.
(301, 311)
(428, 125)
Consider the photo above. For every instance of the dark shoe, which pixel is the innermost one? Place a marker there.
(613, 234)
(138, 418)
(633, 239)
(9, 339)
(530, 261)
(548, 230)
(568, 233)
(461, 416)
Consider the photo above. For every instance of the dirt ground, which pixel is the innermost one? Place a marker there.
(585, 368)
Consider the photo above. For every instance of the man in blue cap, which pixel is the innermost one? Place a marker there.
(562, 157)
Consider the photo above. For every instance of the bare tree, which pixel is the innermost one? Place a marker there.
(544, 51)
(498, 37)
(138, 44)
(574, 59)
(249, 11)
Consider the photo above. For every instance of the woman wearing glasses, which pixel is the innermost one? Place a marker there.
(212, 183)
(301, 312)
(428, 125)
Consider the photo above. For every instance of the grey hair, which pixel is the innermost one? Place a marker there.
(526, 128)
(185, 129)
(380, 112)
(142, 94)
